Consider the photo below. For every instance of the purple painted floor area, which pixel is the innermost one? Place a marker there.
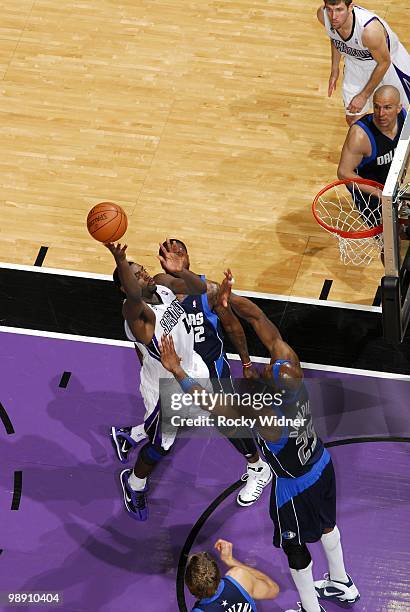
(72, 535)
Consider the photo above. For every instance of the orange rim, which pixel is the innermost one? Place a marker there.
(369, 233)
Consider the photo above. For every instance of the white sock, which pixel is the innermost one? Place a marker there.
(138, 432)
(258, 465)
(334, 553)
(137, 484)
(306, 588)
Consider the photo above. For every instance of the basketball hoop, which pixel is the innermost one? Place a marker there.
(354, 216)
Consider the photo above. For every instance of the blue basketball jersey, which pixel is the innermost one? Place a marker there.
(229, 597)
(376, 167)
(299, 448)
(208, 336)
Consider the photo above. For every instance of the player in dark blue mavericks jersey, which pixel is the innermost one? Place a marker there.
(234, 592)
(209, 339)
(303, 499)
(369, 148)
(209, 319)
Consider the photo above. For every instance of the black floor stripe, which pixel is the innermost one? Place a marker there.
(41, 256)
(325, 289)
(377, 297)
(213, 506)
(18, 483)
(6, 420)
(367, 439)
(64, 380)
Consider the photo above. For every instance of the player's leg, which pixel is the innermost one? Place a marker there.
(337, 585)
(288, 534)
(134, 481)
(258, 474)
(125, 439)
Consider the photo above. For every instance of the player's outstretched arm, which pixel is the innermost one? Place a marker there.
(267, 332)
(255, 582)
(139, 317)
(232, 327)
(128, 281)
(177, 278)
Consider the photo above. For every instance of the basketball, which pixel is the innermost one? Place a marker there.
(107, 222)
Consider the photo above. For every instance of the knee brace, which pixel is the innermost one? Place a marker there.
(298, 555)
(152, 453)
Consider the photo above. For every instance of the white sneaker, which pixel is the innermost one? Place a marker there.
(256, 481)
(342, 593)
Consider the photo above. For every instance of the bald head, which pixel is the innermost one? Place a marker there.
(386, 107)
(387, 92)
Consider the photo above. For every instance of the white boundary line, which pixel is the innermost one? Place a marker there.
(56, 271)
(266, 296)
(331, 368)
(57, 336)
(127, 344)
(312, 301)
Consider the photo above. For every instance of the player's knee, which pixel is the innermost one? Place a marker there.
(298, 555)
(152, 453)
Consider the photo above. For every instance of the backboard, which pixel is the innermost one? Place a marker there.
(396, 205)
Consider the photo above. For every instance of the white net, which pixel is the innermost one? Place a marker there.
(343, 210)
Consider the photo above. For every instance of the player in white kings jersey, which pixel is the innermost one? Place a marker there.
(150, 311)
(373, 55)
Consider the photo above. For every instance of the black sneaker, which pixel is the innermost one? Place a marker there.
(122, 442)
(135, 501)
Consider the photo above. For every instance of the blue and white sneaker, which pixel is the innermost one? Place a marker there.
(342, 593)
(302, 609)
(123, 443)
(135, 501)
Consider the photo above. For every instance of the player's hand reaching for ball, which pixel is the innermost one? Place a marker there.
(225, 551)
(225, 289)
(172, 258)
(117, 250)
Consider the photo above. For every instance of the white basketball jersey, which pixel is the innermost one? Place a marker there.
(353, 49)
(170, 318)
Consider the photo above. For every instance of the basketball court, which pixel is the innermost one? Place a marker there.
(68, 531)
(207, 122)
